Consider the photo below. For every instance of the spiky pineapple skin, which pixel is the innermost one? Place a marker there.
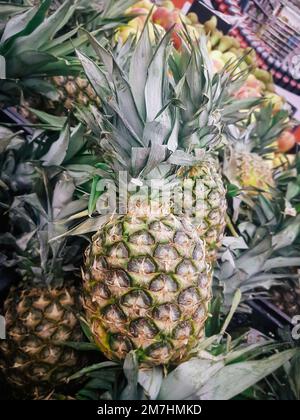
(71, 90)
(254, 172)
(205, 202)
(147, 287)
(37, 320)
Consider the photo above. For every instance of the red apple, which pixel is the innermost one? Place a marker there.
(176, 38)
(161, 16)
(297, 134)
(286, 141)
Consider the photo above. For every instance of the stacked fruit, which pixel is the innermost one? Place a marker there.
(147, 298)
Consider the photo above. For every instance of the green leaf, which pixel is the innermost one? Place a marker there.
(51, 120)
(80, 346)
(236, 301)
(155, 80)
(131, 370)
(94, 195)
(58, 150)
(77, 142)
(188, 378)
(139, 64)
(29, 63)
(2, 67)
(17, 24)
(234, 379)
(94, 74)
(42, 87)
(92, 368)
(233, 190)
(151, 380)
(45, 31)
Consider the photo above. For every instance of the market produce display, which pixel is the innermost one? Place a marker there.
(149, 203)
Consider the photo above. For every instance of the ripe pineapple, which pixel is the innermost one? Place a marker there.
(41, 311)
(70, 90)
(41, 70)
(208, 210)
(254, 172)
(147, 279)
(250, 165)
(201, 131)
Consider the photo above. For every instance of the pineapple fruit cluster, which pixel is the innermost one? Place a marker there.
(147, 273)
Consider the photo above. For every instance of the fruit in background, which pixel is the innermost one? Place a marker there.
(225, 44)
(168, 4)
(297, 134)
(193, 18)
(263, 75)
(252, 82)
(252, 88)
(215, 38)
(211, 25)
(229, 56)
(286, 141)
(217, 61)
(138, 23)
(162, 17)
(274, 99)
(124, 32)
(176, 38)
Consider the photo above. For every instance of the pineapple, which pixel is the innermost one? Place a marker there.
(146, 275)
(205, 182)
(47, 76)
(202, 96)
(249, 164)
(41, 311)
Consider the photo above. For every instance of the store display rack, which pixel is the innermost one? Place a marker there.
(272, 29)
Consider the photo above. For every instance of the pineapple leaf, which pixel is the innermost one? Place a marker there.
(42, 87)
(79, 346)
(188, 378)
(58, 150)
(76, 143)
(139, 65)
(151, 381)
(2, 67)
(232, 380)
(155, 80)
(235, 303)
(92, 368)
(96, 77)
(131, 371)
(57, 123)
(45, 31)
(17, 25)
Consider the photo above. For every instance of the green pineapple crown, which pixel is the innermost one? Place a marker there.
(158, 106)
(258, 133)
(36, 218)
(140, 120)
(207, 102)
(32, 45)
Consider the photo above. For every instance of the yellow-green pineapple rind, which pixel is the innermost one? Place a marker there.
(208, 205)
(37, 321)
(147, 287)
